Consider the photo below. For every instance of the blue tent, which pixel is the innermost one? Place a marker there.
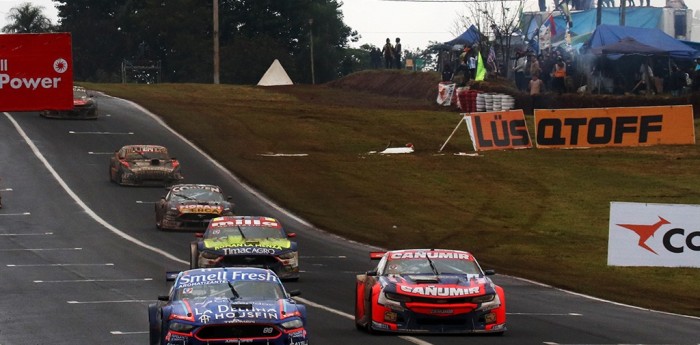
(648, 41)
(468, 38)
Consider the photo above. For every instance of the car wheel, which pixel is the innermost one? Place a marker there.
(194, 255)
(154, 322)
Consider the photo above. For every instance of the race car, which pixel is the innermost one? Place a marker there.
(84, 107)
(137, 165)
(191, 207)
(245, 241)
(222, 305)
(428, 291)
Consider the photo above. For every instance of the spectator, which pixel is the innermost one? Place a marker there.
(536, 87)
(388, 52)
(397, 53)
(375, 57)
(463, 67)
(559, 76)
(677, 81)
(519, 69)
(696, 76)
(447, 72)
(471, 64)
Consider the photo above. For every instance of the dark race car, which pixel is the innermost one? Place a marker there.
(244, 241)
(227, 306)
(191, 207)
(429, 291)
(137, 165)
(84, 107)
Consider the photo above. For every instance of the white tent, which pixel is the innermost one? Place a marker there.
(275, 75)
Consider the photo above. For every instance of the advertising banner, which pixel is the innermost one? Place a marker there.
(606, 127)
(643, 234)
(499, 130)
(36, 72)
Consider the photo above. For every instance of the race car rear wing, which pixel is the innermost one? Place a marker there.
(376, 255)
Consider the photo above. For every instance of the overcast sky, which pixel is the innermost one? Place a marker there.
(416, 23)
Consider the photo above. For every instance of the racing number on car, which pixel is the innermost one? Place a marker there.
(267, 330)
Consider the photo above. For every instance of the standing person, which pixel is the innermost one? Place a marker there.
(536, 87)
(519, 69)
(677, 81)
(388, 52)
(375, 57)
(559, 75)
(397, 53)
(471, 64)
(535, 66)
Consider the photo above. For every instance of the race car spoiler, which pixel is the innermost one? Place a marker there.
(376, 255)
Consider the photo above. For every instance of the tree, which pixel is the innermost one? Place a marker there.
(27, 18)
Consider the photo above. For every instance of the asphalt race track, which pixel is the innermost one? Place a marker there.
(80, 257)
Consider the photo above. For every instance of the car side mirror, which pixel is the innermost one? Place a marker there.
(372, 273)
(198, 234)
(489, 272)
(164, 298)
(292, 234)
(229, 198)
(294, 293)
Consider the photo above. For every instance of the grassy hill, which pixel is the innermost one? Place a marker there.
(538, 214)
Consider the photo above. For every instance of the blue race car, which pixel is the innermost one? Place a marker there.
(245, 241)
(224, 305)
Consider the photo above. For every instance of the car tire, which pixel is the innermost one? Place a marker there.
(154, 331)
(194, 255)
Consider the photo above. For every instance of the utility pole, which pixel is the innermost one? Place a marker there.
(215, 32)
(311, 45)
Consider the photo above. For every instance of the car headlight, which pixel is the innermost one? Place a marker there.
(292, 324)
(484, 298)
(397, 297)
(492, 303)
(181, 327)
(209, 255)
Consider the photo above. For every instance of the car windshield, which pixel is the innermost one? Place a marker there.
(242, 290)
(248, 232)
(201, 194)
(439, 266)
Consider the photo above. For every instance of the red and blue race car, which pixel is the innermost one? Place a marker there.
(429, 291)
(227, 306)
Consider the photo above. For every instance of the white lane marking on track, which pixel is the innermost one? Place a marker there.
(137, 242)
(36, 249)
(546, 314)
(352, 317)
(145, 202)
(127, 333)
(107, 302)
(82, 204)
(94, 280)
(100, 153)
(6, 190)
(102, 133)
(58, 265)
(15, 214)
(30, 234)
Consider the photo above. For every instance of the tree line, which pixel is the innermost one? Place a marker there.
(177, 35)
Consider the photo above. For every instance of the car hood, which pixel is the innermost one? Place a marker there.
(232, 245)
(225, 310)
(439, 286)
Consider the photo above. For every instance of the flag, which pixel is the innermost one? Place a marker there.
(491, 59)
(552, 25)
(480, 69)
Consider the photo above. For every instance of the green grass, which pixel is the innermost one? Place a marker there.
(538, 214)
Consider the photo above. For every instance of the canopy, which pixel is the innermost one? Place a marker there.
(467, 38)
(631, 40)
(628, 45)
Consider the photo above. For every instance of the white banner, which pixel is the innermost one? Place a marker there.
(643, 234)
(446, 91)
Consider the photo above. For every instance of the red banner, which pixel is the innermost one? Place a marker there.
(36, 72)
